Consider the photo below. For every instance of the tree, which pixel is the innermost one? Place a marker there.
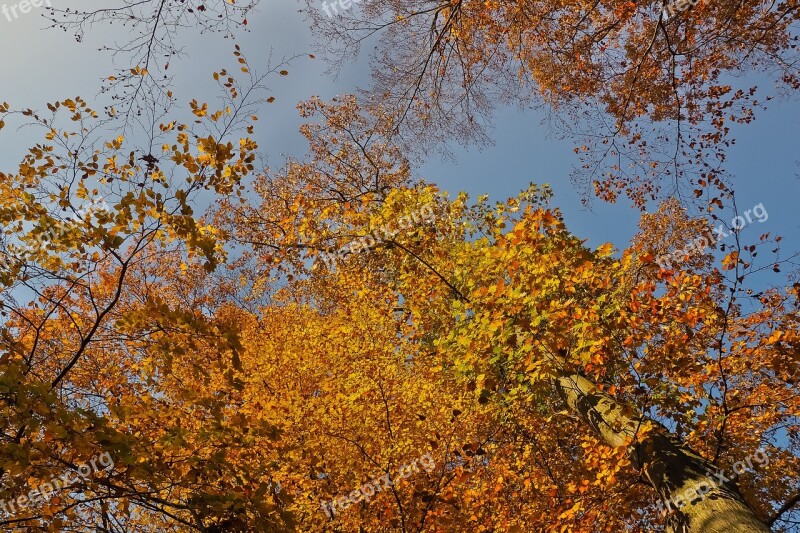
(477, 363)
(649, 98)
(646, 90)
(666, 343)
(67, 275)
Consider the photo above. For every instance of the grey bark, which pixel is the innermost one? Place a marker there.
(700, 497)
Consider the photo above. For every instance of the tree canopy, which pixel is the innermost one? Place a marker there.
(339, 345)
(649, 99)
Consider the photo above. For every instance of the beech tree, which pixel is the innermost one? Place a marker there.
(554, 386)
(242, 382)
(658, 364)
(650, 99)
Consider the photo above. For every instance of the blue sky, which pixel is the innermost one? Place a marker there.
(45, 65)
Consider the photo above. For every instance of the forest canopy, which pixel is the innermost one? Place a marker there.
(194, 341)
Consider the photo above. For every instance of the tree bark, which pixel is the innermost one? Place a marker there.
(700, 497)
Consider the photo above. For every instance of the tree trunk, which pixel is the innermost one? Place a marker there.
(700, 497)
